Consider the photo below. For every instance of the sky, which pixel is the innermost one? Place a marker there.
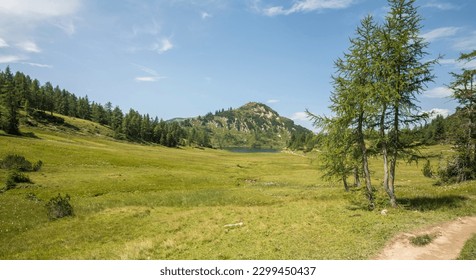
(184, 58)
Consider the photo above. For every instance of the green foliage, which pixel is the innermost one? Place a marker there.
(374, 96)
(15, 177)
(303, 141)
(20, 163)
(422, 240)
(9, 103)
(59, 207)
(43, 117)
(462, 167)
(457, 169)
(253, 125)
(427, 170)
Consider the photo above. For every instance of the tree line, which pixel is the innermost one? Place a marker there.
(20, 92)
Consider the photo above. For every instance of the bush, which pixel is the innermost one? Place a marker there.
(59, 207)
(427, 170)
(16, 162)
(14, 178)
(458, 169)
(20, 163)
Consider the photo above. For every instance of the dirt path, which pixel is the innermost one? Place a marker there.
(450, 239)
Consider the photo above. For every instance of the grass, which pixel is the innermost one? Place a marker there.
(422, 240)
(469, 250)
(149, 202)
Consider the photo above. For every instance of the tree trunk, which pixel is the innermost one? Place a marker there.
(344, 181)
(393, 159)
(365, 162)
(388, 175)
(356, 177)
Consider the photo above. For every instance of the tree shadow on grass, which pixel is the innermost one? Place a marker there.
(425, 203)
(21, 135)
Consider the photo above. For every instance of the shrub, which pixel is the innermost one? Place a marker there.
(37, 166)
(14, 178)
(427, 170)
(458, 169)
(16, 162)
(59, 207)
(20, 163)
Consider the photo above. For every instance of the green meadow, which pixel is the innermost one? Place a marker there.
(135, 201)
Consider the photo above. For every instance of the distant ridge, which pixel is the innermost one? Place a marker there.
(253, 125)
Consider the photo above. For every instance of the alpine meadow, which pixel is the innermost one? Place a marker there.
(82, 180)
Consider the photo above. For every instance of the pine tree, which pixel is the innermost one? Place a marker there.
(9, 104)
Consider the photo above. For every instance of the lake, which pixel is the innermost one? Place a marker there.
(250, 150)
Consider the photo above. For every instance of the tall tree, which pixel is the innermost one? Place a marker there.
(353, 104)
(407, 73)
(464, 91)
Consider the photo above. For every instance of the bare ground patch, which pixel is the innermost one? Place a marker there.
(450, 238)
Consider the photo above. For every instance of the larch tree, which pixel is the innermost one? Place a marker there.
(405, 71)
(352, 105)
(464, 92)
(376, 86)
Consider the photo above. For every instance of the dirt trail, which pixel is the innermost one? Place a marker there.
(450, 239)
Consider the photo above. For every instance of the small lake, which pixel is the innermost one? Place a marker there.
(250, 150)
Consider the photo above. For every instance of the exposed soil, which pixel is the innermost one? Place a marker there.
(450, 238)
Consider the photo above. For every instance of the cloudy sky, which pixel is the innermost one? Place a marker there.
(183, 58)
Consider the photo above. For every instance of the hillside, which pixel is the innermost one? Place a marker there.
(135, 201)
(253, 125)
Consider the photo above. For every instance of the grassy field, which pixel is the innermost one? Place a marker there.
(149, 202)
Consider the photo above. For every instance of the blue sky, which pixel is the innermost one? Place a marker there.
(184, 58)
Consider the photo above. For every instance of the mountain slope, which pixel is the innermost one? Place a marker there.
(253, 125)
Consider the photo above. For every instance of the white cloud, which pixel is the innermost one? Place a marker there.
(3, 43)
(163, 46)
(439, 33)
(438, 92)
(38, 9)
(38, 65)
(303, 6)
(67, 26)
(441, 5)
(467, 43)
(152, 77)
(467, 65)
(10, 58)
(271, 101)
(458, 64)
(205, 15)
(19, 19)
(300, 116)
(433, 113)
(448, 61)
(29, 46)
(147, 79)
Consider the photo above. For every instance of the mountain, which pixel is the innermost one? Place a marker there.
(253, 125)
